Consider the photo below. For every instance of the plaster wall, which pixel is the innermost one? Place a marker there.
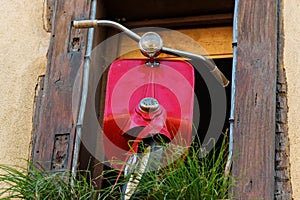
(292, 66)
(23, 49)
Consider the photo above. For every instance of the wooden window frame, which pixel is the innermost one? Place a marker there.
(257, 61)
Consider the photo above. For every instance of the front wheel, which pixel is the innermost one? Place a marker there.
(138, 164)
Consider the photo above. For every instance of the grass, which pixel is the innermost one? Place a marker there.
(36, 184)
(192, 178)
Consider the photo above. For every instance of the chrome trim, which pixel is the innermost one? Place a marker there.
(94, 23)
(84, 91)
(232, 107)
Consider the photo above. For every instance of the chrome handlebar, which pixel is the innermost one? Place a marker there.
(212, 68)
(95, 23)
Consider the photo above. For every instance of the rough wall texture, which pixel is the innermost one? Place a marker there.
(24, 45)
(283, 188)
(292, 64)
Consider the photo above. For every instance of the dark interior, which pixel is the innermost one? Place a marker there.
(202, 93)
(137, 10)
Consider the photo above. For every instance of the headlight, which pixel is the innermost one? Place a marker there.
(151, 44)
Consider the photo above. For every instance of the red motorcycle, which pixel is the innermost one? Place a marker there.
(148, 105)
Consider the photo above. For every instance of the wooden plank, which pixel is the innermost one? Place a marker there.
(254, 125)
(216, 41)
(65, 57)
(202, 20)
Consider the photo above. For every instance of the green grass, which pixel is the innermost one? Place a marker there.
(36, 184)
(192, 178)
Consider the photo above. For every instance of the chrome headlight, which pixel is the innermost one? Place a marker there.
(151, 44)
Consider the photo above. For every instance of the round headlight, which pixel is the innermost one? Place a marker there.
(150, 44)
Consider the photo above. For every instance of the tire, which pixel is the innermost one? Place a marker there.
(139, 164)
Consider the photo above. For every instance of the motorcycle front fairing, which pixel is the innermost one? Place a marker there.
(129, 81)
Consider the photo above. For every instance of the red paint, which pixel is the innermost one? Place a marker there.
(129, 81)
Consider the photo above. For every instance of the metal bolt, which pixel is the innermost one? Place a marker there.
(149, 105)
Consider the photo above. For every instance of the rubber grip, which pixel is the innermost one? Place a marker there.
(84, 24)
(220, 77)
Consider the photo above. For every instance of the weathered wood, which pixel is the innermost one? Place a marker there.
(38, 97)
(283, 187)
(203, 20)
(216, 41)
(49, 10)
(60, 151)
(65, 57)
(254, 125)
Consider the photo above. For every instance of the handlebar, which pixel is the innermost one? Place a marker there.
(212, 68)
(95, 23)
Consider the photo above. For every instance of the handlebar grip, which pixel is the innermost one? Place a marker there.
(220, 77)
(84, 23)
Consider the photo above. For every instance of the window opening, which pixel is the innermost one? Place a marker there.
(201, 92)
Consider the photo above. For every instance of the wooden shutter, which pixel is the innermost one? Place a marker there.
(254, 123)
(54, 131)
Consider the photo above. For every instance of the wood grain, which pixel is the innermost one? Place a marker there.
(254, 125)
(65, 57)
